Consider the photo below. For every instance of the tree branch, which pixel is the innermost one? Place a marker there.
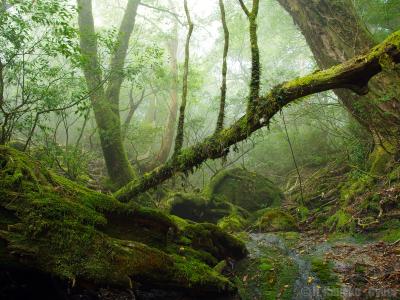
(246, 11)
(353, 74)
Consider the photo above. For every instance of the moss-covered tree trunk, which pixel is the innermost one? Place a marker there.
(335, 33)
(353, 74)
(53, 225)
(105, 102)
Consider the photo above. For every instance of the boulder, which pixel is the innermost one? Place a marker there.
(248, 190)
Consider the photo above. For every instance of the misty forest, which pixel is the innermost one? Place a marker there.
(214, 149)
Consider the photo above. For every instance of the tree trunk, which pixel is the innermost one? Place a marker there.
(105, 103)
(168, 136)
(335, 33)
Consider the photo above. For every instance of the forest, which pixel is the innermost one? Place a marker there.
(214, 149)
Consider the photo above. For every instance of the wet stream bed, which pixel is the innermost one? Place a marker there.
(310, 266)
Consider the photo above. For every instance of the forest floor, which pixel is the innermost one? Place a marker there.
(308, 265)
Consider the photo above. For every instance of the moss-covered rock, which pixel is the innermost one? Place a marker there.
(232, 223)
(210, 238)
(275, 219)
(197, 207)
(73, 233)
(246, 189)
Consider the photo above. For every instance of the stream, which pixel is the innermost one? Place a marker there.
(301, 284)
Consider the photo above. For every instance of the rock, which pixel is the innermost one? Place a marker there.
(275, 219)
(200, 208)
(248, 190)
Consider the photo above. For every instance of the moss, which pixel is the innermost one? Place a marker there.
(380, 159)
(341, 221)
(246, 189)
(62, 228)
(271, 276)
(394, 175)
(197, 273)
(274, 219)
(355, 186)
(210, 238)
(232, 223)
(324, 272)
(391, 235)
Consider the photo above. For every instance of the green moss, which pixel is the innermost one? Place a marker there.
(197, 273)
(380, 159)
(274, 219)
(271, 276)
(212, 239)
(246, 189)
(324, 272)
(341, 221)
(394, 175)
(355, 186)
(391, 235)
(232, 223)
(72, 232)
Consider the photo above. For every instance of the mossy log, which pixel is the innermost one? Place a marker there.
(61, 228)
(353, 74)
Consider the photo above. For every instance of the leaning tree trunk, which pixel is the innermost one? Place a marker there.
(335, 33)
(353, 74)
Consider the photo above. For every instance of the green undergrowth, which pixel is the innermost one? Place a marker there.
(343, 198)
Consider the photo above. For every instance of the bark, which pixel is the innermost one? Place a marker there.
(221, 114)
(181, 122)
(335, 33)
(105, 103)
(254, 96)
(116, 75)
(353, 74)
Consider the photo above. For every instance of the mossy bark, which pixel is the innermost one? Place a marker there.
(105, 102)
(335, 33)
(61, 228)
(353, 74)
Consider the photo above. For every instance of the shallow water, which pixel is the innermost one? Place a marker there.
(303, 288)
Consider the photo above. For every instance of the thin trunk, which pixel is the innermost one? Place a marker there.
(254, 96)
(335, 33)
(168, 136)
(221, 114)
(132, 109)
(116, 76)
(353, 74)
(105, 109)
(181, 122)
